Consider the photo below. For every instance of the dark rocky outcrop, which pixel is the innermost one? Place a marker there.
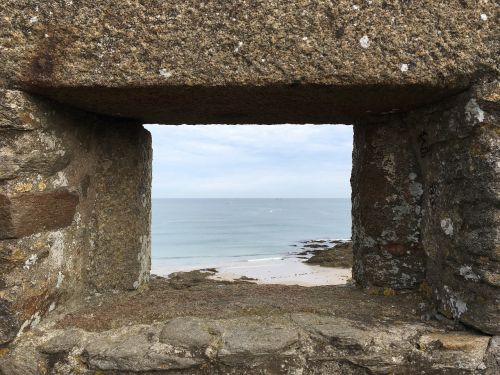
(339, 255)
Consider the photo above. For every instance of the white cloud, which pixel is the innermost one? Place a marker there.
(251, 161)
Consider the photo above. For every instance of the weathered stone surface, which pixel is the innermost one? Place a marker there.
(251, 61)
(26, 145)
(386, 205)
(492, 360)
(134, 349)
(29, 362)
(17, 112)
(303, 343)
(118, 188)
(255, 336)
(8, 325)
(187, 332)
(31, 213)
(338, 331)
(429, 181)
(71, 203)
(233, 337)
(37, 213)
(458, 349)
(5, 217)
(458, 148)
(63, 342)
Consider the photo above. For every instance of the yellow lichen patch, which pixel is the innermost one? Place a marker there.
(39, 245)
(476, 150)
(218, 342)
(377, 291)
(425, 289)
(81, 365)
(23, 187)
(492, 278)
(16, 256)
(42, 186)
(493, 94)
(492, 127)
(17, 253)
(28, 118)
(42, 368)
(455, 341)
(447, 312)
(374, 291)
(484, 259)
(389, 292)
(142, 288)
(4, 351)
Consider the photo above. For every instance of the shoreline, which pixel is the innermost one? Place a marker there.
(288, 269)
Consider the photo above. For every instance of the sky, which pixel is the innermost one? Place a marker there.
(251, 161)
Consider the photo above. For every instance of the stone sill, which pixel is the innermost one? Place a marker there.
(189, 324)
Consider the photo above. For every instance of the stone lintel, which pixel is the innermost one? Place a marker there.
(251, 62)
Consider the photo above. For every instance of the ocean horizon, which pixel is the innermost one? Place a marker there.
(211, 232)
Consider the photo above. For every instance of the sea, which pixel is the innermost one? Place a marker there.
(206, 233)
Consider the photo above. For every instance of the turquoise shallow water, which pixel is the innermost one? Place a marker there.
(217, 231)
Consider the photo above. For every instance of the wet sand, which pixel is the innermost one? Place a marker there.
(283, 270)
(286, 271)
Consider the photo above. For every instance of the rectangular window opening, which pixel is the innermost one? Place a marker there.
(269, 204)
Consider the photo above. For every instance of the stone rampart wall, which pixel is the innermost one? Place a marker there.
(74, 207)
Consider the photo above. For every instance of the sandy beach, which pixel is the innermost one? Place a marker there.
(285, 270)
